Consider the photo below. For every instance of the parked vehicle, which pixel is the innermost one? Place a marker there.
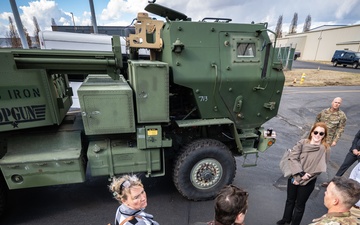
(297, 55)
(199, 101)
(345, 57)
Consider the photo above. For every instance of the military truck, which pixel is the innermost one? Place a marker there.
(198, 101)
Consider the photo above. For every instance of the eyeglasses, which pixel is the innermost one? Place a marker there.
(320, 133)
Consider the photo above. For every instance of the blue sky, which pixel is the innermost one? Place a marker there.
(121, 12)
(108, 12)
(66, 5)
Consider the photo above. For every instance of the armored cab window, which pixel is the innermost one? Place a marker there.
(246, 50)
(243, 47)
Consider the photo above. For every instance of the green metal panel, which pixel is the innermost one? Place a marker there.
(109, 157)
(153, 136)
(150, 136)
(150, 81)
(100, 158)
(199, 122)
(127, 160)
(31, 98)
(43, 159)
(209, 64)
(34, 89)
(70, 61)
(254, 90)
(106, 105)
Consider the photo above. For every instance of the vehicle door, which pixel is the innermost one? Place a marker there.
(348, 57)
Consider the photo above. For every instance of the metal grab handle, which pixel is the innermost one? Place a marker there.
(90, 113)
(215, 19)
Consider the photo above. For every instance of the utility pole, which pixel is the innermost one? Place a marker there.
(93, 16)
(19, 25)
(72, 15)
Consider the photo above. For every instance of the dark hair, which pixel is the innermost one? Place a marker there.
(348, 189)
(323, 125)
(230, 202)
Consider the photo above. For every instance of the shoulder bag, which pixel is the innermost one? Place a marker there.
(284, 163)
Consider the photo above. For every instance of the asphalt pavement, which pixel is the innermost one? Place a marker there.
(298, 64)
(91, 203)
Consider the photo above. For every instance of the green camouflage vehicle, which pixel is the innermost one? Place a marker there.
(197, 102)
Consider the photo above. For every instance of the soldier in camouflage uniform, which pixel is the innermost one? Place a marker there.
(355, 175)
(335, 120)
(341, 194)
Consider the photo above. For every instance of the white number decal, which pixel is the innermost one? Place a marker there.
(203, 98)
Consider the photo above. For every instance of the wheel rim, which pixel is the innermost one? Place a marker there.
(206, 173)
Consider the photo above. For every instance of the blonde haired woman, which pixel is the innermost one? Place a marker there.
(129, 192)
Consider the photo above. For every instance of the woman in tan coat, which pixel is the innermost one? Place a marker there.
(306, 161)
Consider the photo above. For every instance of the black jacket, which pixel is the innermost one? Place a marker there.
(356, 142)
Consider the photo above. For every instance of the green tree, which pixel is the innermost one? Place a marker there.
(36, 31)
(278, 29)
(293, 25)
(28, 38)
(307, 24)
(13, 36)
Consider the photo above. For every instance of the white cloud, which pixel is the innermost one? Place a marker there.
(4, 23)
(345, 8)
(121, 12)
(43, 11)
(5, 15)
(117, 8)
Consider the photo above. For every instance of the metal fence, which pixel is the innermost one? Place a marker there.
(286, 56)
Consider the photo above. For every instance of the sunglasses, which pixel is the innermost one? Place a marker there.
(320, 133)
(125, 184)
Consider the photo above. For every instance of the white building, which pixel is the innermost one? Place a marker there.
(319, 44)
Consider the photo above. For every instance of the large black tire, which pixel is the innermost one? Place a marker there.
(335, 63)
(3, 195)
(355, 65)
(203, 168)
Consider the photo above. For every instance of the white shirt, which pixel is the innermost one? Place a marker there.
(355, 175)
